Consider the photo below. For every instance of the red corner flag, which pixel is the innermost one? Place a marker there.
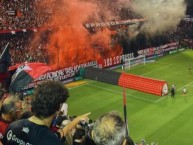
(26, 73)
(5, 60)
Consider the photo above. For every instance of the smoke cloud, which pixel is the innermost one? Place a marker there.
(71, 43)
(161, 15)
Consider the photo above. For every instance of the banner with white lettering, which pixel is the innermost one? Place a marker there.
(67, 74)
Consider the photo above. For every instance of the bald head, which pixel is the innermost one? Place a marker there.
(109, 129)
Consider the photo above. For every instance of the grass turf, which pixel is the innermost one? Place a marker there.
(165, 120)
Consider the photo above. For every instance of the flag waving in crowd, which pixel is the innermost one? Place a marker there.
(5, 62)
(26, 73)
(5, 59)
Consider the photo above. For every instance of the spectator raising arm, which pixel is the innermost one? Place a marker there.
(63, 132)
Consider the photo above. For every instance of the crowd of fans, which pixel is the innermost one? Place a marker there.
(19, 15)
(22, 14)
(28, 14)
(38, 111)
(19, 19)
(13, 109)
(38, 119)
(22, 49)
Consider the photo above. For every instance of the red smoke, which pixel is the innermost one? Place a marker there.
(71, 43)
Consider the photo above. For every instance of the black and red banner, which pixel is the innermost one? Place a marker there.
(26, 73)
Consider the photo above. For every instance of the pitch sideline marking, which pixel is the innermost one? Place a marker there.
(80, 85)
(155, 70)
(89, 83)
(120, 93)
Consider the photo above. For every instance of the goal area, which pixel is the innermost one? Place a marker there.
(129, 63)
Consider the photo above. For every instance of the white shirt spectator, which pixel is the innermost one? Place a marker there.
(64, 109)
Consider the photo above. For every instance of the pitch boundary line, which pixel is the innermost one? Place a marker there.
(155, 70)
(89, 83)
(190, 85)
(80, 85)
(120, 93)
(162, 63)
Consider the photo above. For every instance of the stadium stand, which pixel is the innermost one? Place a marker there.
(20, 19)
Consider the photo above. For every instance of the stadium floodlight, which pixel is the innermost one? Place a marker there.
(134, 61)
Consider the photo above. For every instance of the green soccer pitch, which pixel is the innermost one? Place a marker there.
(165, 120)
